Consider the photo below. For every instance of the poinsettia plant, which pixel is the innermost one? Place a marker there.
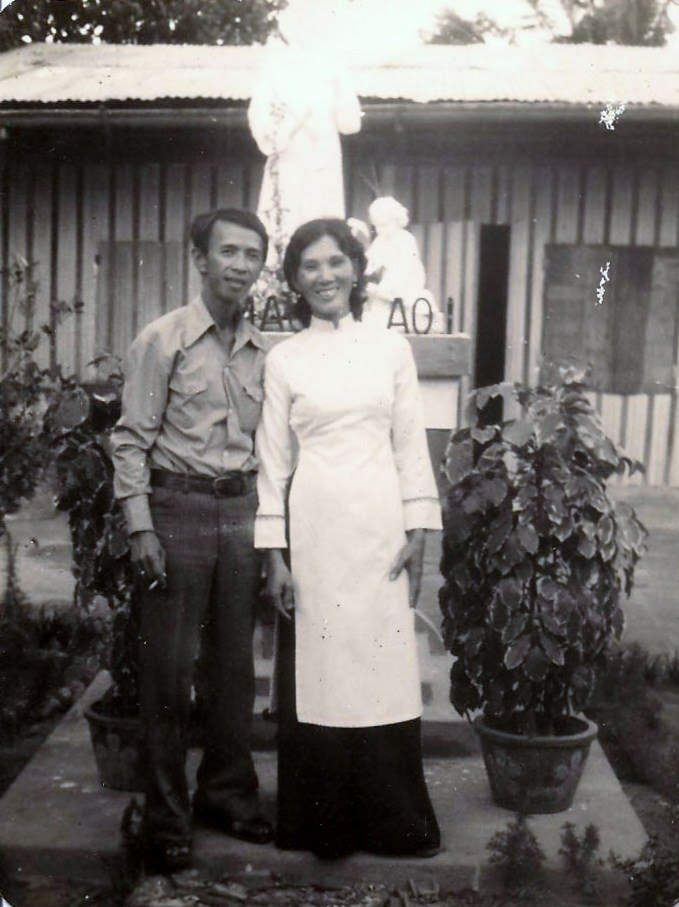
(537, 557)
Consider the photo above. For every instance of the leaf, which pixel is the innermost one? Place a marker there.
(499, 533)
(586, 547)
(517, 652)
(550, 623)
(496, 491)
(549, 426)
(511, 592)
(484, 435)
(518, 433)
(481, 396)
(514, 628)
(511, 555)
(524, 571)
(72, 410)
(498, 613)
(537, 665)
(564, 530)
(552, 649)
(526, 496)
(474, 642)
(474, 503)
(529, 538)
(458, 460)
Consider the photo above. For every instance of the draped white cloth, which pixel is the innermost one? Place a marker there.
(342, 410)
(298, 110)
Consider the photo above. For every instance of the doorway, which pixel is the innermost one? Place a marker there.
(491, 325)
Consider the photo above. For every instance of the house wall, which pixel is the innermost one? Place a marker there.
(63, 197)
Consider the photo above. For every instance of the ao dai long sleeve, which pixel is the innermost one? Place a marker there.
(274, 447)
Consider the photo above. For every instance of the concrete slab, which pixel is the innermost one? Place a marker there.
(56, 821)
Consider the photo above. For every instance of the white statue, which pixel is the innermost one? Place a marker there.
(395, 270)
(303, 101)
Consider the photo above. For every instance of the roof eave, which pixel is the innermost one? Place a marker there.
(405, 112)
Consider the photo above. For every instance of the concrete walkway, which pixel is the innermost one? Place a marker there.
(56, 821)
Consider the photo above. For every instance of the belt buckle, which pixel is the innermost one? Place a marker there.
(228, 486)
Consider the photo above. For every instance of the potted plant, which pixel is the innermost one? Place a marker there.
(536, 560)
(81, 421)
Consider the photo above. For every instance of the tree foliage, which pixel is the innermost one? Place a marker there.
(536, 558)
(631, 22)
(139, 21)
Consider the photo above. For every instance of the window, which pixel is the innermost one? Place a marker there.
(615, 308)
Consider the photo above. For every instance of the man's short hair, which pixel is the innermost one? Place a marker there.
(201, 228)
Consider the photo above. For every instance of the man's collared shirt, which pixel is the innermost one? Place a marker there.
(189, 405)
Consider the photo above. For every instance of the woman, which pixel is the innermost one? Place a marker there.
(345, 396)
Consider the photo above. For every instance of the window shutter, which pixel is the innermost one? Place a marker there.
(627, 333)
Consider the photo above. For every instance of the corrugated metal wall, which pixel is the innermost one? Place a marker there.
(59, 215)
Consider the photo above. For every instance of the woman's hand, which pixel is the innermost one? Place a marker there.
(411, 556)
(279, 586)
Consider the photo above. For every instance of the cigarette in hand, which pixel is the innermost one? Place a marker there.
(156, 583)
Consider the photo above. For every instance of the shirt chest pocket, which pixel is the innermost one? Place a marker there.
(188, 397)
(251, 396)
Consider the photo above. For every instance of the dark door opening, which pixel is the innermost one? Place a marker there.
(491, 325)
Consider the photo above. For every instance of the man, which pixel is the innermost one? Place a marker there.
(185, 473)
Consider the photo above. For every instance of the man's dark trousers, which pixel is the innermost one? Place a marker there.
(213, 574)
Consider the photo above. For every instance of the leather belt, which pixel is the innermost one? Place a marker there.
(229, 485)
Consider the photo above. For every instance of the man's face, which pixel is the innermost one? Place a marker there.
(234, 260)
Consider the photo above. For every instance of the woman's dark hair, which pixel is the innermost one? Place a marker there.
(310, 233)
(201, 228)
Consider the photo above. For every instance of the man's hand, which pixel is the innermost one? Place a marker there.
(148, 558)
(279, 585)
(411, 556)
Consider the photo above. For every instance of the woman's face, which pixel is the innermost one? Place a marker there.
(325, 278)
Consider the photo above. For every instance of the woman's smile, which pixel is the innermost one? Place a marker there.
(325, 278)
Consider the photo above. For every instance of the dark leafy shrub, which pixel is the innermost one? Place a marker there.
(653, 876)
(45, 654)
(628, 706)
(80, 422)
(536, 557)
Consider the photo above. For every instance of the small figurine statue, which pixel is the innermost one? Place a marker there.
(395, 271)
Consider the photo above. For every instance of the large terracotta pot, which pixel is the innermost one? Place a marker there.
(117, 749)
(535, 774)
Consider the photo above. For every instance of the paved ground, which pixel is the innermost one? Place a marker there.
(57, 821)
(653, 610)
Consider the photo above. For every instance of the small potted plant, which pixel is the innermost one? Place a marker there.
(536, 560)
(81, 421)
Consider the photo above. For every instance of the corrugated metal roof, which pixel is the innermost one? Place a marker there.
(62, 74)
